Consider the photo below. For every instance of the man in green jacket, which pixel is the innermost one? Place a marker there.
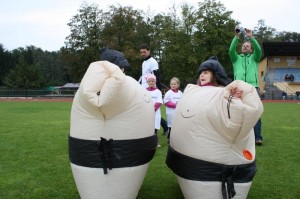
(245, 67)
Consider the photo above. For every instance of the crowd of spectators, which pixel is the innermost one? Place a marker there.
(289, 78)
(285, 95)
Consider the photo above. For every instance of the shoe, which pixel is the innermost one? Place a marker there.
(258, 142)
(158, 145)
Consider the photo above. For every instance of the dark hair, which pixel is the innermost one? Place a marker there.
(144, 46)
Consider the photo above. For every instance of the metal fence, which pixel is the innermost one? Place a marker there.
(29, 93)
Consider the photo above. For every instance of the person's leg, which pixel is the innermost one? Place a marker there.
(164, 125)
(257, 127)
(169, 132)
(155, 131)
(257, 132)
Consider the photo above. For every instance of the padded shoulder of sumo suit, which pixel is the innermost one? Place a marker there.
(107, 96)
(202, 114)
(101, 77)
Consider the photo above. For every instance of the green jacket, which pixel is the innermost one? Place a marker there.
(245, 67)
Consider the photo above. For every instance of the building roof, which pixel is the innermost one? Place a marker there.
(71, 85)
(281, 49)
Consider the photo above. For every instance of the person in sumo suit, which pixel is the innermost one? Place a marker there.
(112, 138)
(212, 145)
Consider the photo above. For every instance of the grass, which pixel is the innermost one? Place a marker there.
(34, 155)
(278, 159)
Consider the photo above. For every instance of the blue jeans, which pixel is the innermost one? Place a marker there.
(257, 130)
(257, 127)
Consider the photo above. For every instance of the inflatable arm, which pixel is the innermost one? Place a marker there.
(101, 83)
(240, 115)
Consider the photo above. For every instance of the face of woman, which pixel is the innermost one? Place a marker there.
(151, 82)
(205, 77)
(174, 85)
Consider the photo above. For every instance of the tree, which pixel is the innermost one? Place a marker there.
(82, 45)
(24, 75)
(125, 30)
(262, 32)
(47, 66)
(161, 26)
(177, 45)
(214, 32)
(6, 63)
(51, 67)
(180, 41)
(287, 36)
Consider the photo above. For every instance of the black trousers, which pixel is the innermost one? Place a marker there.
(164, 124)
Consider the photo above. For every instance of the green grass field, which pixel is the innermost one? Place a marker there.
(34, 155)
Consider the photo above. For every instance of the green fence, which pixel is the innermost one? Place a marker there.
(30, 93)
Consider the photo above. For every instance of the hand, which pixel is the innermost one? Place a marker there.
(236, 92)
(237, 31)
(248, 32)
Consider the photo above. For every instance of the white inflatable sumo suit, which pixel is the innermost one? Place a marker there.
(212, 145)
(112, 137)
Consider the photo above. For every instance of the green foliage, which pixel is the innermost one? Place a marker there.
(82, 45)
(179, 42)
(214, 32)
(35, 164)
(51, 67)
(85, 27)
(6, 63)
(125, 30)
(262, 32)
(31, 67)
(23, 75)
(288, 36)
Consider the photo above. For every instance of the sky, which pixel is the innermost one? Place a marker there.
(44, 23)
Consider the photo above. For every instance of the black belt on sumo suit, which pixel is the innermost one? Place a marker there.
(200, 170)
(108, 154)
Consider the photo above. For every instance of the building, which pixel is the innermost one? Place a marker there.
(280, 59)
(69, 89)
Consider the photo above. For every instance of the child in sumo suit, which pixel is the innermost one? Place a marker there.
(212, 145)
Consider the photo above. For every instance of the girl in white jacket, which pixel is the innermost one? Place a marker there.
(171, 99)
(156, 96)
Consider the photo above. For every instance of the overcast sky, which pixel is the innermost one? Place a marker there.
(44, 23)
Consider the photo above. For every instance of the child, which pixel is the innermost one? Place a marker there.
(171, 99)
(157, 100)
(212, 146)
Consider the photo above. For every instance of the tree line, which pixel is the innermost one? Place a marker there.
(180, 39)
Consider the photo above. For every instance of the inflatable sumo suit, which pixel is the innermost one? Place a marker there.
(112, 137)
(212, 145)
